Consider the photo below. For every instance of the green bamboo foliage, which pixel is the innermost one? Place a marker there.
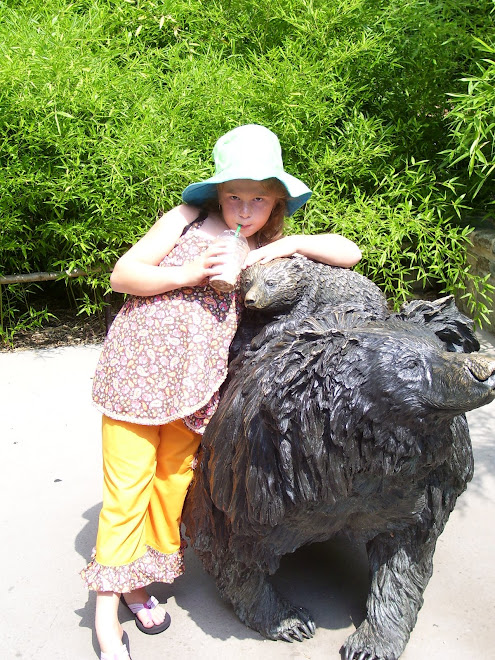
(109, 108)
(472, 128)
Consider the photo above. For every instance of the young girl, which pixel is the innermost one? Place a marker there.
(165, 358)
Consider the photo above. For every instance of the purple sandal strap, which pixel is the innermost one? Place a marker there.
(150, 604)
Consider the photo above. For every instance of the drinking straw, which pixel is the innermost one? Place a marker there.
(237, 231)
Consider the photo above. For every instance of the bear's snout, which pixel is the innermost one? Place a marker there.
(252, 299)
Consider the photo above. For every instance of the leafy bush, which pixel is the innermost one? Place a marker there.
(108, 109)
(472, 128)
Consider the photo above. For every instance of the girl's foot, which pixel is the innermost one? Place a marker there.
(154, 618)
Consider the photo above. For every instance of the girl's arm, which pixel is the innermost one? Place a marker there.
(332, 249)
(138, 272)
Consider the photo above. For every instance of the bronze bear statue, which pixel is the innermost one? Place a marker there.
(338, 418)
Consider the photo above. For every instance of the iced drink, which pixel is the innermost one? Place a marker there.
(237, 251)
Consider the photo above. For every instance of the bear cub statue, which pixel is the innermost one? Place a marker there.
(338, 417)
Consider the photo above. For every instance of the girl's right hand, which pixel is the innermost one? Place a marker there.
(209, 263)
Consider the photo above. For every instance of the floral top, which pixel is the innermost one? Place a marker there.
(165, 356)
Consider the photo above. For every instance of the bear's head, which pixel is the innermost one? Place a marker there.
(276, 286)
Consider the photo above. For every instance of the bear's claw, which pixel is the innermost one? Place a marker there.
(299, 630)
(364, 655)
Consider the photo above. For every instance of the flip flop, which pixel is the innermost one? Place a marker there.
(150, 604)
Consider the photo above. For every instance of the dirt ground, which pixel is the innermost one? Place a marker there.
(65, 327)
(66, 331)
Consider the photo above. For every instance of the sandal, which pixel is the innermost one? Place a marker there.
(150, 604)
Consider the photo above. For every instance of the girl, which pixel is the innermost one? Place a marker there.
(165, 358)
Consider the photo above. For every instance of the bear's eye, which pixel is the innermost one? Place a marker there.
(413, 363)
(410, 370)
(271, 283)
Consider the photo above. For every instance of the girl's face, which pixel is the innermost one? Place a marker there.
(247, 203)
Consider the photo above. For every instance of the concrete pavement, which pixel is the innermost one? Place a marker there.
(51, 485)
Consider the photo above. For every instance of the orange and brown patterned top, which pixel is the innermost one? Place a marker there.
(165, 356)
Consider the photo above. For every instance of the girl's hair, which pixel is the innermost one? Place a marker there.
(273, 228)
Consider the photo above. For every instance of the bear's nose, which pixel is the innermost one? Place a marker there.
(481, 368)
(249, 301)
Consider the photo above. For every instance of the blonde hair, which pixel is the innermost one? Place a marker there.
(274, 226)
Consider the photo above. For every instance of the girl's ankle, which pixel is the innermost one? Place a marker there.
(122, 654)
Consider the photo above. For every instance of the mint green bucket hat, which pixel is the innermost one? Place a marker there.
(248, 152)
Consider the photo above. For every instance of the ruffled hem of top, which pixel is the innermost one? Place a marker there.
(122, 417)
(153, 566)
(131, 419)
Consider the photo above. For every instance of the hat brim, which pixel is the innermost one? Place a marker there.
(198, 193)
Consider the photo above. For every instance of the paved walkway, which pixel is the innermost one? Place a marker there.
(51, 484)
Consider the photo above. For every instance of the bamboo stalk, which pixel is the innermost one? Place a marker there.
(44, 277)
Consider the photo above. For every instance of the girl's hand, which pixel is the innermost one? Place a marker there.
(332, 249)
(284, 247)
(209, 263)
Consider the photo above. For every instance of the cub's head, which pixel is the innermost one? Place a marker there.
(276, 286)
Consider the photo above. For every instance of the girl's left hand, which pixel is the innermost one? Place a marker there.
(332, 249)
(284, 247)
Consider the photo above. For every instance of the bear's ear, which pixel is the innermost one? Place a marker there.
(445, 320)
(298, 262)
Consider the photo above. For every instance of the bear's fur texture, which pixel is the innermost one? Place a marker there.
(338, 418)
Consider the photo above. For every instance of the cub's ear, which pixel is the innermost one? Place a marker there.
(295, 262)
(442, 317)
(298, 262)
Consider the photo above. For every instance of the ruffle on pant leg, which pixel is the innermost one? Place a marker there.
(153, 566)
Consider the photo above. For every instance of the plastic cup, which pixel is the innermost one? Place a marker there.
(238, 249)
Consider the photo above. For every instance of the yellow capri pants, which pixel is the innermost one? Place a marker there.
(147, 471)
